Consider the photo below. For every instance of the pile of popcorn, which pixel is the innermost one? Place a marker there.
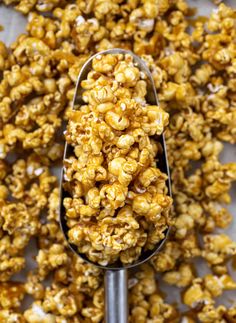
(193, 63)
(118, 204)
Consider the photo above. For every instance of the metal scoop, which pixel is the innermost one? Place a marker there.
(116, 288)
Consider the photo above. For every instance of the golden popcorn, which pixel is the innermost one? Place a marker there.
(193, 64)
(11, 295)
(104, 231)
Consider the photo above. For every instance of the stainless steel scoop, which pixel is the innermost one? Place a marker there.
(116, 290)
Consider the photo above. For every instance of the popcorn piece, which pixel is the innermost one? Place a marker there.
(36, 314)
(218, 248)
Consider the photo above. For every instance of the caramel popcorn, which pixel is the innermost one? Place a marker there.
(36, 314)
(193, 64)
(218, 248)
(203, 290)
(180, 277)
(11, 295)
(110, 207)
(11, 316)
(147, 304)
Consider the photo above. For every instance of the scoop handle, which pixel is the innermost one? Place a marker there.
(116, 296)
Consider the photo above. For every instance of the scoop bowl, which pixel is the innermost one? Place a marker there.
(116, 299)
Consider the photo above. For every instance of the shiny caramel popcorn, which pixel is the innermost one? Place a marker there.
(51, 259)
(211, 313)
(193, 64)
(36, 314)
(20, 219)
(146, 301)
(11, 295)
(218, 248)
(204, 290)
(33, 286)
(11, 316)
(180, 277)
(166, 259)
(119, 204)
